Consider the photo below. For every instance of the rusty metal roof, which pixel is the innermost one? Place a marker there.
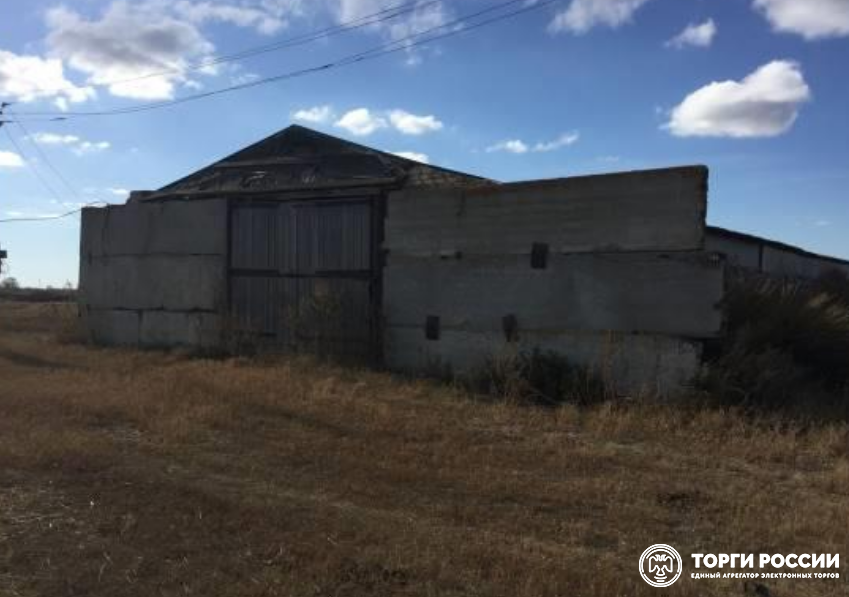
(298, 158)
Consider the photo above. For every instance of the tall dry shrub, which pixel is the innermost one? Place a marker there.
(787, 343)
(540, 377)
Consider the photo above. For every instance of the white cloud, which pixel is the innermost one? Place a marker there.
(561, 141)
(511, 146)
(518, 146)
(73, 142)
(9, 159)
(30, 214)
(764, 104)
(361, 122)
(239, 78)
(118, 192)
(424, 17)
(411, 124)
(314, 115)
(582, 15)
(266, 18)
(54, 139)
(128, 41)
(698, 36)
(413, 155)
(87, 147)
(812, 19)
(28, 78)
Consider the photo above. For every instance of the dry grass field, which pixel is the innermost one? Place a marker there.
(148, 473)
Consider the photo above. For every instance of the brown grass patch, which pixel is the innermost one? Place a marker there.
(148, 473)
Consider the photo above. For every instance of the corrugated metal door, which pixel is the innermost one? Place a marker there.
(303, 274)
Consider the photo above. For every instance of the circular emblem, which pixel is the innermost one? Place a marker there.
(660, 565)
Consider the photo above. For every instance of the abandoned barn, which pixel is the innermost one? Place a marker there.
(305, 241)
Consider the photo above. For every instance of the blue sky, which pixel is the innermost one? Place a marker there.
(755, 89)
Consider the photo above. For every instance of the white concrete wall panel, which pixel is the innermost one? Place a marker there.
(782, 262)
(171, 227)
(738, 252)
(656, 210)
(113, 327)
(632, 364)
(170, 328)
(642, 292)
(173, 282)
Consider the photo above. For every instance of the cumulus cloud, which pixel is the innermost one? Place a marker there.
(518, 146)
(561, 141)
(582, 15)
(128, 41)
(9, 159)
(361, 122)
(812, 19)
(266, 18)
(413, 155)
(314, 115)
(510, 145)
(412, 124)
(697, 36)
(27, 78)
(74, 143)
(764, 104)
(54, 139)
(87, 147)
(426, 15)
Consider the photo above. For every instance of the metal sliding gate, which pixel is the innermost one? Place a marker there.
(305, 275)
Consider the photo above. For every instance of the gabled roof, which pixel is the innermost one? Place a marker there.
(301, 158)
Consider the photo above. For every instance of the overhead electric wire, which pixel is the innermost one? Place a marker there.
(56, 119)
(44, 183)
(56, 217)
(380, 16)
(47, 161)
(402, 44)
(31, 168)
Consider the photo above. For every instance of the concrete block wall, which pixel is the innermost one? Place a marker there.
(626, 287)
(154, 273)
(653, 210)
(769, 257)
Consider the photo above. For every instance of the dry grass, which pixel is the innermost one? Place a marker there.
(141, 473)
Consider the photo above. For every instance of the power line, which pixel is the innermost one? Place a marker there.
(56, 217)
(380, 16)
(44, 182)
(32, 168)
(47, 160)
(402, 44)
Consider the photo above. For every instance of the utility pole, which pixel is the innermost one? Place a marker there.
(3, 106)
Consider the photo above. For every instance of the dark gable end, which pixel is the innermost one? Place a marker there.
(298, 158)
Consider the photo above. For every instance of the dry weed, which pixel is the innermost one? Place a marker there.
(151, 473)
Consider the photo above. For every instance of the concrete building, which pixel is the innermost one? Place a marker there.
(306, 241)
